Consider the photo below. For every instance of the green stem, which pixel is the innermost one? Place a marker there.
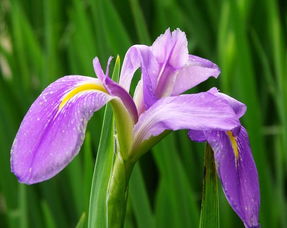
(209, 216)
(117, 192)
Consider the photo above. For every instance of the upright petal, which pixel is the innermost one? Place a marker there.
(52, 131)
(171, 52)
(171, 48)
(166, 68)
(139, 56)
(238, 174)
(116, 90)
(158, 63)
(202, 111)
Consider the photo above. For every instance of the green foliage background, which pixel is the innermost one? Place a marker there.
(41, 41)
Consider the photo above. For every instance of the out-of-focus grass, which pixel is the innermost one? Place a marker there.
(43, 40)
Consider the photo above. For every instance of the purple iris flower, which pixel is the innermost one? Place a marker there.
(235, 165)
(53, 130)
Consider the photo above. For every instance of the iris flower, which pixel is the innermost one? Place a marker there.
(53, 130)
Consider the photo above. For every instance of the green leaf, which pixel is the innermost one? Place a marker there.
(81, 223)
(176, 199)
(23, 207)
(140, 201)
(209, 216)
(48, 216)
(117, 191)
(102, 170)
(140, 22)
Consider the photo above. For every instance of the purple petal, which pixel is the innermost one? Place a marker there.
(193, 73)
(158, 62)
(139, 56)
(198, 136)
(202, 111)
(238, 174)
(238, 107)
(171, 52)
(115, 90)
(51, 135)
(171, 48)
(166, 68)
(138, 97)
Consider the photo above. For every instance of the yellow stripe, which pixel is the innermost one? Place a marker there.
(233, 144)
(81, 88)
(117, 60)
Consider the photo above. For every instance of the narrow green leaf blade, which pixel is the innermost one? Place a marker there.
(48, 216)
(102, 170)
(81, 223)
(140, 201)
(177, 200)
(103, 167)
(209, 216)
(140, 22)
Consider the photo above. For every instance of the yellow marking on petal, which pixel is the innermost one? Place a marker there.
(81, 88)
(233, 144)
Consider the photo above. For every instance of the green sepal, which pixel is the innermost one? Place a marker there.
(123, 119)
(139, 149)
(117, 192)
(124, 128)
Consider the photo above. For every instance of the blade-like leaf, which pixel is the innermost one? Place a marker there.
(103, 167)
(179, 204)
(209, 216)
(139, 200)
(81, 223)
(102, 170)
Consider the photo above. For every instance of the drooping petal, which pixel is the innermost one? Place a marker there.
(202, 111)
(193, 73)
(238, 107)
(235, 164)
(197, 136)
(115, 90)
(238, 174)
(52, 131)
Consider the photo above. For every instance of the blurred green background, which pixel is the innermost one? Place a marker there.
(41, 41)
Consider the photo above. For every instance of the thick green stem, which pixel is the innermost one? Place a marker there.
(209, 216)
(118, 192)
